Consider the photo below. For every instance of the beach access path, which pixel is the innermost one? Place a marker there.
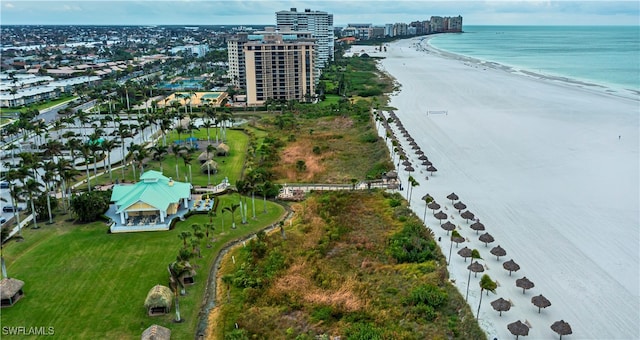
(549, 167)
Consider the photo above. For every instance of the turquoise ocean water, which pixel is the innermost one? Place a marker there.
(604, 55)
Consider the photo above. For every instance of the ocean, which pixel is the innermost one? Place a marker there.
(603, 55)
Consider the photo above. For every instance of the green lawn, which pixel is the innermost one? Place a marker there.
(228, 166)
(88, 284)
(40, 106)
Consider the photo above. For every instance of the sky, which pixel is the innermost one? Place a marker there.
(262, 12)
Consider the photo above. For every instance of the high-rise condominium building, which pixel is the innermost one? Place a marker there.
(319, 23)
(235, 53)
(279, 65)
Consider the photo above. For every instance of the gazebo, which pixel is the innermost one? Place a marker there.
(222, 149)
(159, 300)
(10, 291)
(209, 166)
(156, 332)
(205, 156)
(149, 201)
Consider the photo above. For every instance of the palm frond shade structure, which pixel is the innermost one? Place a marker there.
(477, 226)
(524, 283)
(453, 197)
(498, 251)
(501, 305)
(467, 215)
(511, 266)
(476, 268)
(406, 163)
(486, 238)
(432, 169)
(459, 206)
(540, 301)
(448, 226)
(10, 291)
(562, 328)
(465, 252)
(518, 329)
(433, 206)
(409, 169)
(156, 332)
(427, 163)
(421, 153)
(159, 300)
(440, 215)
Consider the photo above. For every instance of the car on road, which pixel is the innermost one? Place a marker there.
(11, 208)
(2, 220)
(4, 185)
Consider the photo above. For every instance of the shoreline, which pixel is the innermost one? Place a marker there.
(612, 89)
(528, 157)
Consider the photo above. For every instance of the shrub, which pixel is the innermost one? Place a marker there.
(89, 206)
(412, 244)
(363, 331)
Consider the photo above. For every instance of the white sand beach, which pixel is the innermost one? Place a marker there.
(550, 168)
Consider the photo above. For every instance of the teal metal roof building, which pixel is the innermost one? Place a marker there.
(149, 202)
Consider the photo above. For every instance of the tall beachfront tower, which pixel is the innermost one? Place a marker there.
(320, 24)
(235, 53)
(280, 66)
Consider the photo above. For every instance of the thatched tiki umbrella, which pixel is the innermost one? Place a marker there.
(222, 149)
(453, 197)
(476, 268)
(415, 147)
(486, 238)
(524, 283)
(426, 162)
(10, 291)
(501, 305)
(477, 226)
(562, 328)
(421, 153)
(156, 332)
(518, 329)
(159, 300)
(448, 226)
(467, 215)
(457, 238)
(432, 169)
(459, 206)
(465, 252)
(427, 199)
(540, 301)
(209, 167)
(498, 251)
(511, 266)
(433, 206)
(440, 215)
(406, 163)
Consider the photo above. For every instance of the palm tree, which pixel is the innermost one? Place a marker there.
(412, 183)
(187, 157)
(107, 146)
(16, 192)
(489, 285)
(184, 235)
(159, 153)
(49, 176)
(85, 149)
(475, 254)
(209, 227)
(67, 172)
(207, 125)
(454, 235)
(427, 199)
(32, 188)
(232, 209)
